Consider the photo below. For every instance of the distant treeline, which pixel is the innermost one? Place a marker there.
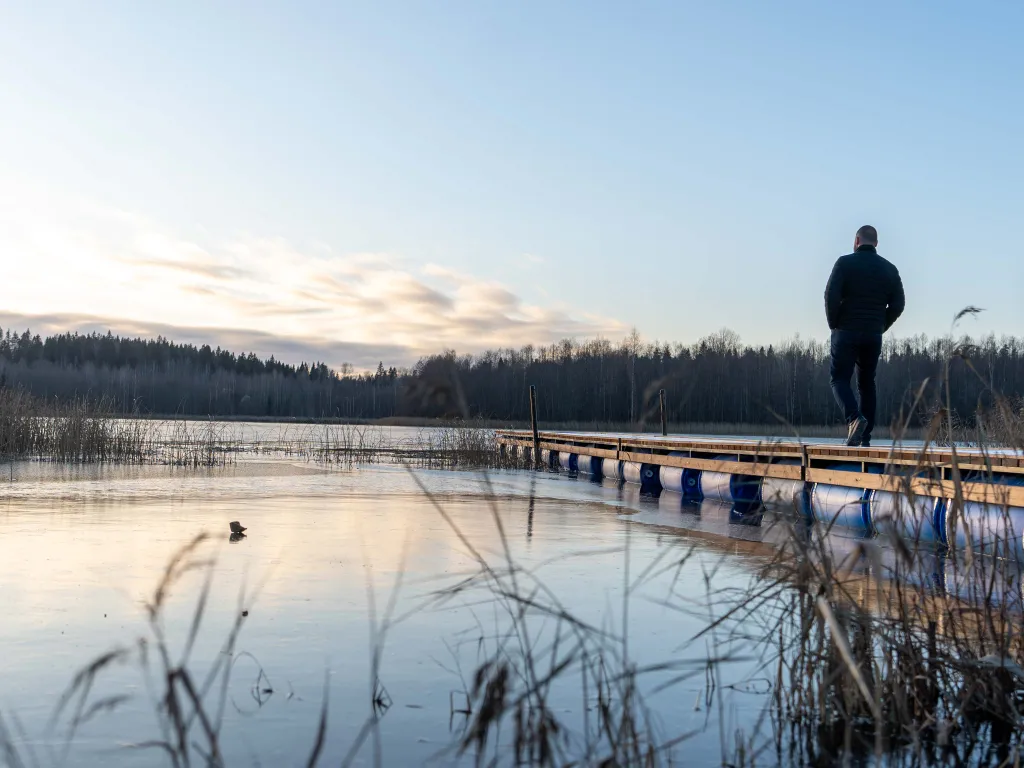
(718, 379)
(159, 376)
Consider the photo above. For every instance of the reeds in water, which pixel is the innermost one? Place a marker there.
(196, 444)
(78, 430)
(464, 444)
(347, 444)
(82, 430)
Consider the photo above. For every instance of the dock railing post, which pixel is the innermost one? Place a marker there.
(533, 425)
(664, 419)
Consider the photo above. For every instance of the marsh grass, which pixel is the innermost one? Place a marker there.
(72, 431)
(82, 430)
(998, 424)
(87, 431)
(195, 444)
(451, 444)
(465, 444)
(347, 444)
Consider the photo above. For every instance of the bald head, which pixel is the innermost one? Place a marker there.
(866, 235)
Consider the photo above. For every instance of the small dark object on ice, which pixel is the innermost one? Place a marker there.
(236, 537)
(237, 527)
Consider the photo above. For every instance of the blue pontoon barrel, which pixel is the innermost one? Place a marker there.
(650, 478)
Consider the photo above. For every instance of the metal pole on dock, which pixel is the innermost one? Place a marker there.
(533, 425)
(664, 420)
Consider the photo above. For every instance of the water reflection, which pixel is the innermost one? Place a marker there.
(746, 514)
(81, 552)
(859, 553)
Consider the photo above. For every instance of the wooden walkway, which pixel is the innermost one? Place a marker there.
(985, 476)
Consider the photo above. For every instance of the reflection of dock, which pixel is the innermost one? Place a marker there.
(866, 569)
(902, 488)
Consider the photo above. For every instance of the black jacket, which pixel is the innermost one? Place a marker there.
(864, 293)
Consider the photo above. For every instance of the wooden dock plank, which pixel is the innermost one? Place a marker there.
(754, 469)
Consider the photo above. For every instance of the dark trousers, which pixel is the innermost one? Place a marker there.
(858, 349)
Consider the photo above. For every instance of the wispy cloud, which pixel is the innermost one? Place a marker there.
(214, 271)
(98, 268)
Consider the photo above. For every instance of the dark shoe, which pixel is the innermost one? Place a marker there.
(857, 429)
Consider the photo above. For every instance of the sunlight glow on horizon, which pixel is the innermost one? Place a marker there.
(119, 268)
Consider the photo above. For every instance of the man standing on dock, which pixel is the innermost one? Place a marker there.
(863, 298)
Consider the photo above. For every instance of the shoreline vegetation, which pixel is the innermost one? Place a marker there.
(86, 430)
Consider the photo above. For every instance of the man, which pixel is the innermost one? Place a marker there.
(863, 298)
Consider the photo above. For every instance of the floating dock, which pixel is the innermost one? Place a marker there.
(910, 490)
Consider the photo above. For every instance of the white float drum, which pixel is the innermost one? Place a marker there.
(611, 468)
(992, 528)
(841, 506)
(716, 485)
(917, 520)
(779, 492)
(672, 478)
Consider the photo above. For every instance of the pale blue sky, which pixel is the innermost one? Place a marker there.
(565, 168)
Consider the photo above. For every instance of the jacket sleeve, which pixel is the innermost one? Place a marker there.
(897, 300)
(834, 295)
